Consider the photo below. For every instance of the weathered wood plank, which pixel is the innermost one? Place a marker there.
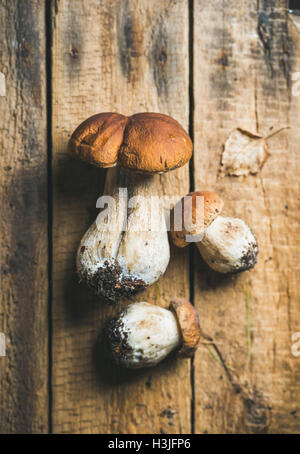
(125, 56)
(245, 54)
(23, 221)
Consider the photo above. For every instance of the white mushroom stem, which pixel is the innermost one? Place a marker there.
(228, 245)
(116, 262)
(143, 335)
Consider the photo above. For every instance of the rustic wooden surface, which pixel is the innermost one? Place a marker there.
(23, 220)
(245, 54)
(214, 66)
(127, 56)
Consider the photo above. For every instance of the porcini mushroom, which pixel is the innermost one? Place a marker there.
(113, 260)
(143, 334)
(226, 244)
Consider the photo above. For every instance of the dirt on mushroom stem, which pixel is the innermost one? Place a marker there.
(107, 282)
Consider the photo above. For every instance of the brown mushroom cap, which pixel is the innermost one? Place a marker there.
(146, 142)
(188, 321)
(98, 139)
(189, 210)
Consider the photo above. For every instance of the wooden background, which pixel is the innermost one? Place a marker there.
(213, 66)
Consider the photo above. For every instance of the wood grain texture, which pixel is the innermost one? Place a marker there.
(23, 221)
(245, 55)
(127, 56)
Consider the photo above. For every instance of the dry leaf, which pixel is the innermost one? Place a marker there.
(244, 153)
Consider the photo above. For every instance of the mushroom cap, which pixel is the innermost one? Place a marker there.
(146, 142)
(195, 217)
(98, 139)
(142, 335)
(229, 246)
(188, 321)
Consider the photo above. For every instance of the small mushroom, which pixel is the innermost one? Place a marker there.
(226, 244)
(117, 261)
(143, 334)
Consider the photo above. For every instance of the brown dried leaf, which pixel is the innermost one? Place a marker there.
(244, 153)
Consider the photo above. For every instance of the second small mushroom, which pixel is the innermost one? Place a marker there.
(226, 244)
(143, 334)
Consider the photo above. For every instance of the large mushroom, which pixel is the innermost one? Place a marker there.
(226, 244)
(120, 253)
(143, 334)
